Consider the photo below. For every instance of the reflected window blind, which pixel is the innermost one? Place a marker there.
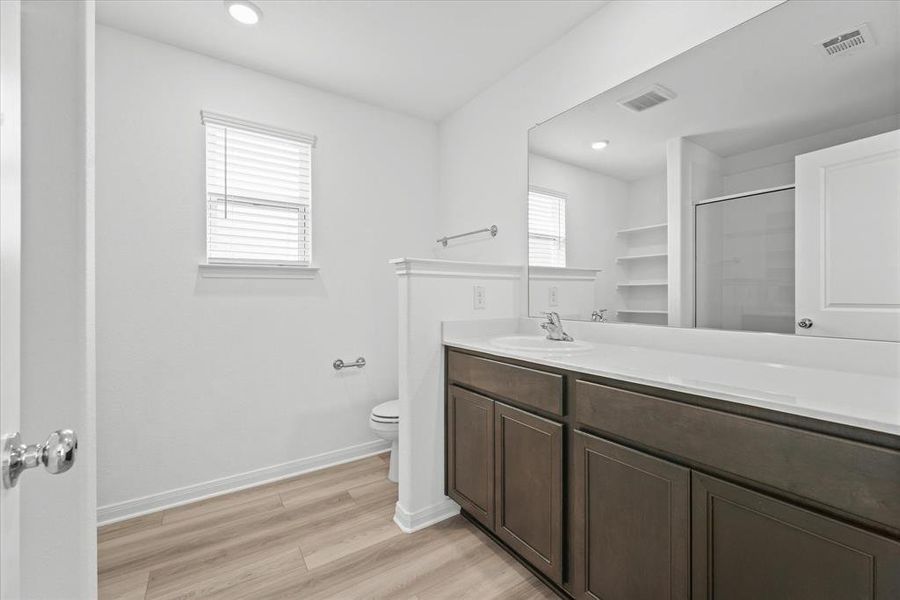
(258, 193)
(546, 228)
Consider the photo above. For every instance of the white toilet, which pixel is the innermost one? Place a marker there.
(385, 422)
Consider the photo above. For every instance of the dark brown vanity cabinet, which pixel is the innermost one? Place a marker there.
(631, 523)
(529, 487)
(748, 546)
(623, 492)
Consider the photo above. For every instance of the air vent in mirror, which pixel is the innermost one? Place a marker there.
(649, 98)
(855, 39)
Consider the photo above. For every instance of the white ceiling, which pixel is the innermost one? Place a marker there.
(425, 58)
(761, 84)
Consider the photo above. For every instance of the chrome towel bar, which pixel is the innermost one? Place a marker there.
(492, 230)
(339, 364)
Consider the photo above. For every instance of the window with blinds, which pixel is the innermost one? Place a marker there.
(258, 193)
(546, 228)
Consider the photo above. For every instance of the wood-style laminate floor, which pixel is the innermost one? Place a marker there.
(327, 534)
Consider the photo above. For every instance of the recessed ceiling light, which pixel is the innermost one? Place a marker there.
(243, 11)
(600, 145)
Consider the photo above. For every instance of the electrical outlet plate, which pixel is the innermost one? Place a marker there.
(479, 297)
(553, 296)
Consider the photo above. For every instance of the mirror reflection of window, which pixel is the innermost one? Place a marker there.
(546, 228)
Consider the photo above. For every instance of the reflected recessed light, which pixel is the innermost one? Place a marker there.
(600, 145)
(243, 11)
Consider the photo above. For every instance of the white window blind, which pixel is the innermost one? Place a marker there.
(546, 228)
(258, 193)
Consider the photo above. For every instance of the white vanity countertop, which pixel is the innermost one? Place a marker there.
(867, 401)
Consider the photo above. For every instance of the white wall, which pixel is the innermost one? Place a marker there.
(774, 166)
(484, 144)
(58, 550)
(596, 206)
(202, 379)
(647, 201)
(576, 294)
(693, 173)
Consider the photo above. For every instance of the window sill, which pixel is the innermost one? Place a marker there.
(244, 271)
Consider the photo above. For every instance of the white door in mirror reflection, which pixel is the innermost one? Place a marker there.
(848, 240)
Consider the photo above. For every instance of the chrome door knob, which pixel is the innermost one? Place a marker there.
(804, 323)
(57, 454)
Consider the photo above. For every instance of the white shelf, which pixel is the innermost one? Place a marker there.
(642, 312)
(659, 283)
(642, 257)
(658, 226)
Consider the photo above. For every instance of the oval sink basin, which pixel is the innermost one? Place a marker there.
(540, 344)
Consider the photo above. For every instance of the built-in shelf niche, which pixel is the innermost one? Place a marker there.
(643, 281)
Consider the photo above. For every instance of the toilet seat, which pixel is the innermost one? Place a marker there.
(386, 412)
(375, 419)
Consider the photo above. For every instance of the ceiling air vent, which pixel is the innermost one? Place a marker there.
(647, 99)
(856, 39)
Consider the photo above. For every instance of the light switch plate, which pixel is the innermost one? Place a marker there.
(479, 297)
(553, 296)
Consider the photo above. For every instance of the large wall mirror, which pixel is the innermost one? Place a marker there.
(751, 183)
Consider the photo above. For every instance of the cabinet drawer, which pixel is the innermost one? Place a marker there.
(528, 387)
(850, 477)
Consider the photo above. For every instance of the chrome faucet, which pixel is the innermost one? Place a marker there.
(553, 327)
(599, 316)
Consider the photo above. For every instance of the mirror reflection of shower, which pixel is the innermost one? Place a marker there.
(745, 262)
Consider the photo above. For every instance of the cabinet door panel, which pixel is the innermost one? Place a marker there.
(748, 546)
(529, 487)
(631, 523)
(470, 453)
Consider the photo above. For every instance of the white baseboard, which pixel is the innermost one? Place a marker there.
(410, 522)
(192, 493)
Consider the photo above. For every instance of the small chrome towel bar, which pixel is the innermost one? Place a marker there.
(492, 230)
(339, 364)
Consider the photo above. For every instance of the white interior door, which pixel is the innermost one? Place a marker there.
(10, 283)
(48, 537)
(848, 240)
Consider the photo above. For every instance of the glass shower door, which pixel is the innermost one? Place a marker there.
(745, 262)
